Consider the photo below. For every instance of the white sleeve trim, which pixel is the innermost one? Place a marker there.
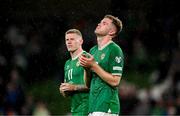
(117, 74)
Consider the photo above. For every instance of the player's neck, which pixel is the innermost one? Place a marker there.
(76, 53)
(103, 41)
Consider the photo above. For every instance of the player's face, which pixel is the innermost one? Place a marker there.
(73, 41)
(104, 27)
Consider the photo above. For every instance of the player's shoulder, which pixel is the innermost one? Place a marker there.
(67, 61)
(115, 46)
(93, 48)
(115, 49)
(66, 64)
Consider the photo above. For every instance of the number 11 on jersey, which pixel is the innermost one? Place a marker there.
(70, 74)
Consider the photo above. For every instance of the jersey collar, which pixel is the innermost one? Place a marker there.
(77, 56)
(104, 45)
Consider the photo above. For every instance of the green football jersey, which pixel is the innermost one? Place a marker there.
(74, 74)
(103, 97)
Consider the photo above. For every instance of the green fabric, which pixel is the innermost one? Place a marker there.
(103, 97)
(74, 74)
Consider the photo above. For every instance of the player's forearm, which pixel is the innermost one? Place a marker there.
(107, 77)
(82, 88)
(87, 77)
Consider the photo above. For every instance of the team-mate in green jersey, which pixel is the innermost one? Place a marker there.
(106, 63)
(74, 84)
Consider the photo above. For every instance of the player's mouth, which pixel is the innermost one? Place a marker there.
(69, 46)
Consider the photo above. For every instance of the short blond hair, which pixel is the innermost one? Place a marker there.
(74, 31)
(117, 22)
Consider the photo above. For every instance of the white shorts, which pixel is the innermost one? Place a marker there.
(101, 114)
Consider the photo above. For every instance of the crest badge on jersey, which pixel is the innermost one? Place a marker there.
(118, 59)
(102, 56)
(77, 64)
(67, 67)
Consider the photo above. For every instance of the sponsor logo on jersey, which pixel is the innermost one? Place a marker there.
(102, 56)
(117, 68)
(118, 59)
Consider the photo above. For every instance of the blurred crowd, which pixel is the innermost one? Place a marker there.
(162, 96)
(19, 62)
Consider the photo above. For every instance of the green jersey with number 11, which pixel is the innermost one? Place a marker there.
(74, 74)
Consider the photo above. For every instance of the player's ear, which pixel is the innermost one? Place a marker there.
(81, 41)
(112, 32)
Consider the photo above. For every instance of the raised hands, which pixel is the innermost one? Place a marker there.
(87, 61)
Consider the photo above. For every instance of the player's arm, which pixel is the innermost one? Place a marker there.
(87, 77)
(73, 87)
(112, 80)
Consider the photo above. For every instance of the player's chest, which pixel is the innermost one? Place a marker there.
(101, 57)
(73, 69)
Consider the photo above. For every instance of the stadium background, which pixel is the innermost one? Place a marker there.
(33, 53)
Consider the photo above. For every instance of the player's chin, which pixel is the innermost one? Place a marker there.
(96, 31)
(70, 50)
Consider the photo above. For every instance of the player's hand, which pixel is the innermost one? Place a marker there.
(86, 61)
(61, 91)
(67, 87)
